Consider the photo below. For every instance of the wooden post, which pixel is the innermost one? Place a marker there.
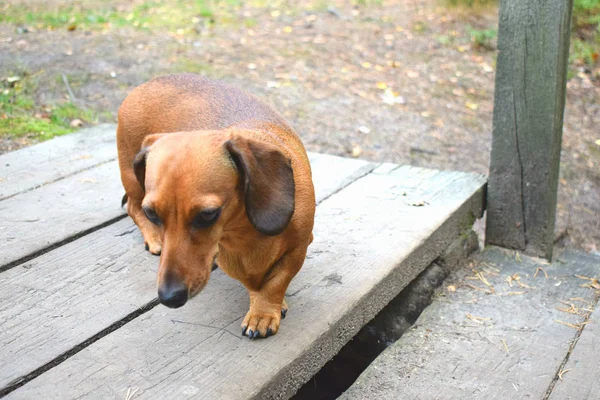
(529, 100)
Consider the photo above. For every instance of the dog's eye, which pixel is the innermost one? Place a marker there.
(206, 218)
(151, 215)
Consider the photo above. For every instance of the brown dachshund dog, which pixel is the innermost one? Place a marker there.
(214, 175)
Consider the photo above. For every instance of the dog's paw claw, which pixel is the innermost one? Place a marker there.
(283, 313)
(261, 324)
(244, 328)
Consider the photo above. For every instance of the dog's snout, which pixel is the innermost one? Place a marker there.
(173, 293)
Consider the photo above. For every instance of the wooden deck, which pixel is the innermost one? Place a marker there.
(519, 329)
(78, 309)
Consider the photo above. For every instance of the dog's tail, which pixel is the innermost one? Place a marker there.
(124, 200)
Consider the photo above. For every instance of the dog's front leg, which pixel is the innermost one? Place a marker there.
(267, 304)
(149, 231)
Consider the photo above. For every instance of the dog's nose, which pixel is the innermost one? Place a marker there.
(173, 293)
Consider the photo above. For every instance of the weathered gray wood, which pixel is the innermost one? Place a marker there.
(37, 219)
(59, 300)
(46, 162)
(446, 355)
(533, 50)
(371, 239)
(581, 374)
(326, 173)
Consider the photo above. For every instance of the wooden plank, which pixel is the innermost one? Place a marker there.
(34, 166)
(370, 241)
(33, 221)
(55, 302)
(326, 177)
(529, 99)
(36, 220)
(447, 355)
(581, 374)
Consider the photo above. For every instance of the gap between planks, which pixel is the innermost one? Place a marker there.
(421, 247)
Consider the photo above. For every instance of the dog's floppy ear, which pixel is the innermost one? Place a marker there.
(268, 182)
(139, 162)
(139, 166)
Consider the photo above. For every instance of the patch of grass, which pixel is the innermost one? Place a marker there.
(25, 125)
(190, 65)
(420, 27)
(250, 22)
(21, 116)
(585, 39)
(367, 3)
(175, 15)
(482, 39)
(471, 3)
(585, 42)
(584, 52)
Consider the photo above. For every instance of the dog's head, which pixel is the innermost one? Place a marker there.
(206, 190)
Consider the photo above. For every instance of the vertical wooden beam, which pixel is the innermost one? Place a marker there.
(529, 100)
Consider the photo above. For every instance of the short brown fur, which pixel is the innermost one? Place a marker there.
(200, 145)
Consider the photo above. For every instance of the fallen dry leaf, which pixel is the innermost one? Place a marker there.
(451, 288)
(471, 106)
(538, 269)
(479, 320)
(130, 393)
(561, 373)
(390, 97)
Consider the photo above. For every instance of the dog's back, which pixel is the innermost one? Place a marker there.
(189, 102)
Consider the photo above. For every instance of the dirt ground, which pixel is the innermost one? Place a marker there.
(398, 81)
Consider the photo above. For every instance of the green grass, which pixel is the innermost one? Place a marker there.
(585, 40)
(482, 38)
(176, 15)
(21, 116)
(470, 3)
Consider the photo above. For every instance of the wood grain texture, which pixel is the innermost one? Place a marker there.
(529, 99)
(47, 162)
(35, 220)
(581, 374)
(56, 301)
(59, 300)
(371, 239)
(447, 355)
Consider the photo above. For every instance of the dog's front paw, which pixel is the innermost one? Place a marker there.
(153, 248)
(261, 324)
